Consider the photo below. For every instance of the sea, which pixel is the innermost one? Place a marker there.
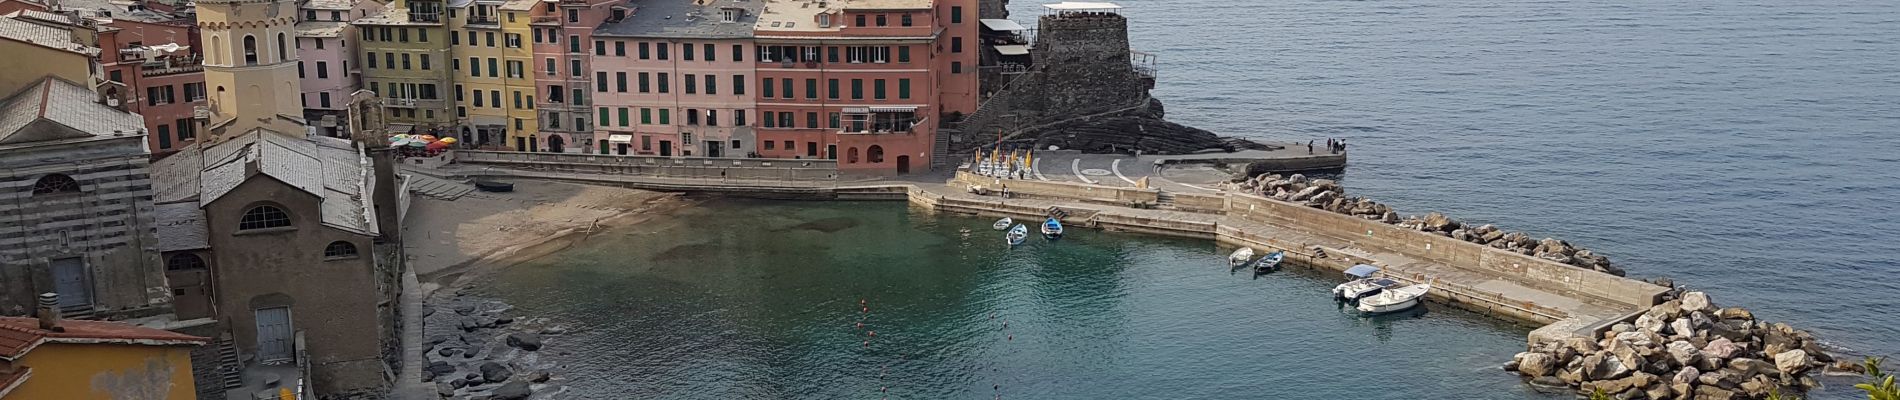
(1748, 149)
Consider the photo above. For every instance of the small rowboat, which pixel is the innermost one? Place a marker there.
(1269, 263)
(1392, 300)
(1003, 224)
(1016, 235)
(1240, 257)
(1052, 229)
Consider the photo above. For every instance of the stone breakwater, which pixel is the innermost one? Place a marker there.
(476, 349)
(1328, 195)
(1685, 348)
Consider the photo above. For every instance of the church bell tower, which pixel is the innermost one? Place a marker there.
(250, 67)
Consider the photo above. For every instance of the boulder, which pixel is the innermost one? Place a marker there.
(538, 376)
(1686, 375)
(1603, 366)
(1716, 378)
(1490, 236)
(1548, 382)
(1659, 392)
(495, 372)
(1735, 313)
(1582, 345)
(1534, 364)
(1627, 354)
(438, 339)
(1639, 338)
(1304, 194)
(469, 324)
(1750, 366)
(1683, 352)
(459, 383)
(448, 351)
(1721, 348)
(1758, 387)
(1603, 265)
(1296, 178)
(1390, 217)
(1440, 222)
(1681, 327)
(524, 341)
(1708, 392)
(441, 368)
(516, 390)
(444, 389)
(1696, 301)
(1621, 327)
(1652, 322)
(1571, 377)
(1792, 362)
(1700, 320)
(464, 309)
(1549, 245)
(504, 321)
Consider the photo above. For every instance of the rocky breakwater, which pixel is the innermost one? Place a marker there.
(1685, 348)
(1327, 195)
(476, 349)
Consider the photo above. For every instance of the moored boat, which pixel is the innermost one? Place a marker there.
(1269, 262)
(1240, 257)
(1016, 235)
(1003, 224)
(1052, 229)
(1360, 289)
(1395, 299)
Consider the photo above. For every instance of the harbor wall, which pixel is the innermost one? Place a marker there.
(1317, 162)
(1200, 203)
(1117, 196)
(1531, 271)
(670, 167)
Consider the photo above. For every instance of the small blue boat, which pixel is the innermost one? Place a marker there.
(1269, 263)
(1052, 229)
(1016, 235)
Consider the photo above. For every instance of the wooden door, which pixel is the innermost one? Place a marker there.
(274, 335)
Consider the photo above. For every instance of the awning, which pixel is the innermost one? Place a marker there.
(1003, 25)
(400, 128)
(1012, 49)
(620, 138)
(893, 109)
(1362, 270)
(855, 110)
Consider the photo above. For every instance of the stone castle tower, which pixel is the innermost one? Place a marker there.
(250, 67)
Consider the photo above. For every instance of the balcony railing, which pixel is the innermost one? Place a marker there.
(171, 65)
(425, 16)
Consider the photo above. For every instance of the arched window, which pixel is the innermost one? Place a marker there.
(250, 50)
(184, 262)
(55, 184)
(217, 49)
(338, 250)
(875, 154)
(264, 216)
(851, 154)
(283, 53)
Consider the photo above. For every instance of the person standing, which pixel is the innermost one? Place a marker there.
(1309, 147)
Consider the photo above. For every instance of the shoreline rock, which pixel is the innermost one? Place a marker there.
(477, 349)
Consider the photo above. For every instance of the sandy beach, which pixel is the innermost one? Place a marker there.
(448, 239)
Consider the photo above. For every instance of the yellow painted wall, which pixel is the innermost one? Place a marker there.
(516, 22)
(26, 64)
(106, 372)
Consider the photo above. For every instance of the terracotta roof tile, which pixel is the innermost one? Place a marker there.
(18, 335)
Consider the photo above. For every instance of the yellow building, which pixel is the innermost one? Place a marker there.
(250, 67)
(35, 51)
(80, 360)
(494, 85)
(407, 61)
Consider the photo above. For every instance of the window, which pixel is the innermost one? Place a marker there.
(339, 250)
(158, 95)
(195, 91)
(877, 89)
(788, 87)
(738, 55)
(600, 47)
(573, 43)
(642, 83)
(768, 88)
(620, 82)
(903, 54)
(402, 35)
(956, 44)
(666, 115)
(603, 116)
(624, 119)
(771, 145)
(55, 184)
(422, 35)
(336, 16)
(318, 41)
(729, 14)
(283, 50)
(475, 66)
(620, 48)
(738, 118)
(770, 121)
(492, 71)
(323, 68)
(709, 53)
(831, 89)
(956, 67)
(263, 216)
(537, 36)
(425, 62)
(494, 98)
(600, 81)
(250, 50)
(905, 20)
(692, 116)
(477, 94)
(186, 130)
(323, 99)
(663, 82)
(692, 83)
(956, 14)
(686, 51)
(573, 67)
(875, 154)
(824, 20)
(903, 88)
(300, 73)
(512, 40)
(646, 116)
(516, 68)
(549, 67)
(372, 60)
(645, 51)
(405, 61)
(712, 117)
(712, 85)
(834, 121)
(517, 94)
(573, 15)
(811, 120)
(184, 262)
(861, 21)
(811, 88)
(880, 20)
(857, 89)
(310, 15)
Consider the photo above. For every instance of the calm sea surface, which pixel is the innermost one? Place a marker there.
(1746, 148)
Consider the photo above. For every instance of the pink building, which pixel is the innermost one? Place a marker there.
(163, 87)
(865, 82)
(672, 78)
(563, 29)
(327, 66)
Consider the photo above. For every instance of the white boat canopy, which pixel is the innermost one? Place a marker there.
(1012, 49)
(1003, 25)
(1362, 270)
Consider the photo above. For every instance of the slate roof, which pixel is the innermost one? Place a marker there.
(19, 335)
(684, 19)
(67, 105)
(328, 4)
(45, 36)
(321, 28)
(115, 9)
(181, 226)
(328, 168)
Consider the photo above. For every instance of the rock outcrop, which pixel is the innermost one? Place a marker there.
(1683, 353)
(1327, 195)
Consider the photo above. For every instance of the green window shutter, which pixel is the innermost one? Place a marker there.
(603, 113)
(624, 120)
(664, 120)
(903, 88)
(646, 116)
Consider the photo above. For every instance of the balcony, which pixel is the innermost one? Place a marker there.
(483, 20)
(171, 65)
(545, 19)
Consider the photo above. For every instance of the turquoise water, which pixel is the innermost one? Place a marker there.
(760, 300)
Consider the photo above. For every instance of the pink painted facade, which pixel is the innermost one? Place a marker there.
(675, 106)
(327, 67)
(563, 72)
(163, 89)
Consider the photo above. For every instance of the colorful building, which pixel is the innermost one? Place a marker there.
(562, 31)
(51, 358)
(149, 60)
(405, 53)
(671, 79)
(523, 120)
(328, 66)
(493, 86)
(865, 82)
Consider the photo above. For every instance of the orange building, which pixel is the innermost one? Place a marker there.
(77, 360)
(865, 82)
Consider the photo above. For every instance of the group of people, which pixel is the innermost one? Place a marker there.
(1333, 146)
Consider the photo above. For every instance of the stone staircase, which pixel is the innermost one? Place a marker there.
(438, 188)
(1164, 200)
(230, 366)
(940, 150)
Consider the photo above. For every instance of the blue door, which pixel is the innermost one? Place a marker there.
(73, 284)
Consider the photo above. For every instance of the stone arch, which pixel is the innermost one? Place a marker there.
(52, 184)
(875, 154)
(250, 50)
(283, 51)
(273, 299)
(184, 262)
(217, 50)
(851, 155)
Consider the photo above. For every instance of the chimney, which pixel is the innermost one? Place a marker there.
(49, 312)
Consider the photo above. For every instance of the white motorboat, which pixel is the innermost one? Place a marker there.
(1016, 235)
(1395, 299)
(1360, 289)
(1003, 224)
(1240, 257)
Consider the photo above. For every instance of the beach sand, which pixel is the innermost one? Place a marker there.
(446, 240)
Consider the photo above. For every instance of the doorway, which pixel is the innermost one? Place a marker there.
(713, 148)
(73, 284)
(666, 148)
(556, 144)
(274, 335)
(831, 152)
(621, 148)
(903, 164)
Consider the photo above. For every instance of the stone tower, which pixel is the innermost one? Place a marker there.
(250, 67)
